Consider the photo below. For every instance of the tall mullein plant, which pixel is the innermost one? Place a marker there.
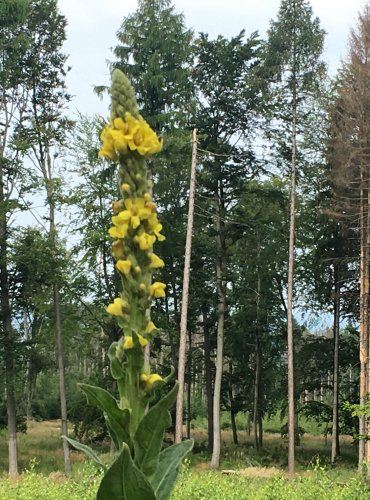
(141, 469)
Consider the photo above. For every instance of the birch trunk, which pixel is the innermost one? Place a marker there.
(221, 308)
(291, 409)
(185, 296)
(208, 376)
(335, 452)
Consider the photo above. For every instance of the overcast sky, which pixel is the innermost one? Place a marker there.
(92, 27)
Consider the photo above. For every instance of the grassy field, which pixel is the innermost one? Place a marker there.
(251, 474)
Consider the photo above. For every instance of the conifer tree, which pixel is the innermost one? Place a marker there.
(294, 71)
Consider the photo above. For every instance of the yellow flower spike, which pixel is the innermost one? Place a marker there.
(137, 269)
(117, 249)
(155, 261)
(157, 290)
(145, 241)
(124, 266)
(129, 343)
(150, 327)
(150, 381)
(117, 308)
(147, 197)
(142, 286)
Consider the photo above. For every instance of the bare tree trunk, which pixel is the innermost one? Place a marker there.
(48, 180)
(221, 308)
(185, 296)
(335, 452)
(364, 316)
(232, 406)
(291, 411)
(248, 425)
(208, 376)
(188, 399)
(61, 376)
(8, 333)
(260, 431)
(256, 394)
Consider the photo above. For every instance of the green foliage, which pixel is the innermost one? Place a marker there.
(124, 481)
(154, 51)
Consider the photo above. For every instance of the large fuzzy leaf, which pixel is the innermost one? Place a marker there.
(124, 481)
(168, 468)
(87, 450)
(118, 420)
(148, 438)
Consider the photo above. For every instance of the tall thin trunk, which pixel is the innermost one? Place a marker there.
(188, 399)
(291, 411)
(208, 377)
(248, 424)
(335, 451)
(256, 402)
(61, 376)
(8, 333)
(364, 316)
(47, 172)
(185, 296)
(232, 405)
(221, 308)
(260, 431)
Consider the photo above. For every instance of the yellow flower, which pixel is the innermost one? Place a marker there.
(117, 307)
(124, 266)
(156, 227)
(155, 261)
(145, 140)
(120, 227)
(129, 343)
(118, 231)
(150, 327)
(117, 249)
(108, 149)
(131, 133)
(145, 241)
(149, 381)
(136, 212)
(125, 187)
(157, 290)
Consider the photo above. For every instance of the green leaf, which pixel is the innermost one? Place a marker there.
(168, 468)
(118, 420)
(149, 435)
(124, 481)
(87, 450)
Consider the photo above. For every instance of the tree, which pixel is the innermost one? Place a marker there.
(294, 70)
(225, 104)
(351, 176)
(43, 134)
(13, 44)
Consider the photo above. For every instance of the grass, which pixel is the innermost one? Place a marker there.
(256, 475)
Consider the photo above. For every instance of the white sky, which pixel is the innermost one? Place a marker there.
(92, 26)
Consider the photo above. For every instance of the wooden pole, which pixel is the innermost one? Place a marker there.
(185, 295)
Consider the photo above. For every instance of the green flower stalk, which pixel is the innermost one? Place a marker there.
(141, 469)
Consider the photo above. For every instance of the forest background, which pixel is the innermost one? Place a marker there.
(264, 108)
